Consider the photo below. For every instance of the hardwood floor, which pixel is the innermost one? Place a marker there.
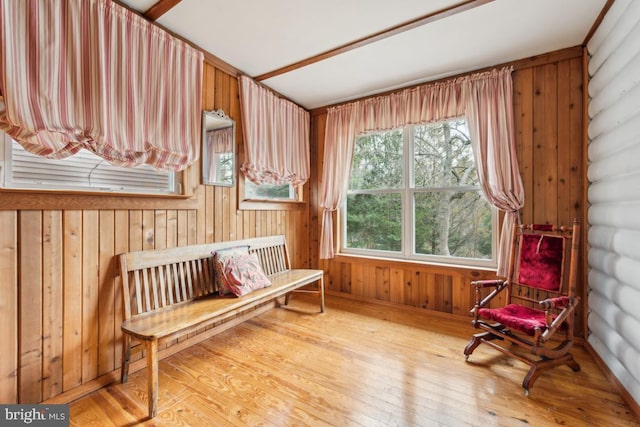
(358, 364)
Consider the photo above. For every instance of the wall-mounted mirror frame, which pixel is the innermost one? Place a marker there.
(218, 148)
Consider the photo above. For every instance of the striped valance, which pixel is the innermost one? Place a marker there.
(276, 136)
(92, 74)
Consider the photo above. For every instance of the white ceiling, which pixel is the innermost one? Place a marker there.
(261, 36)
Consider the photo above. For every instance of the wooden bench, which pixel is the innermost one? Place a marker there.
(170, 292)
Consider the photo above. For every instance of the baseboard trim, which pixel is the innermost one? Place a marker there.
(626, 396)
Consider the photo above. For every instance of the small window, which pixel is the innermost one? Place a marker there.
(269, 197)
(82, 171)
(414, 194)
(285, 192)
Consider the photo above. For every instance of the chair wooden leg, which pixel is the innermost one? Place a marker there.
(126, 355)
(152, 367)
(540, 366)
(476, 340)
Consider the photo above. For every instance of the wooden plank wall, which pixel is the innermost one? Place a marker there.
(60, 302)
(548, 131)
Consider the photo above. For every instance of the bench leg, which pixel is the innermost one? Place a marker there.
(321, 286)
(152, 368)
(126, 355)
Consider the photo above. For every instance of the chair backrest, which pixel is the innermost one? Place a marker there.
(543, 263)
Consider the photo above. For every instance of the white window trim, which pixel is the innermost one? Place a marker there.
(408, 220)
(6, 174)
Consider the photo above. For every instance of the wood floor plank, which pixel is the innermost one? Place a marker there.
(358, 364)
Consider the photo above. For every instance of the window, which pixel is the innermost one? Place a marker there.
(82, 171)
(269, 197)
(414, 194)
(285, 192)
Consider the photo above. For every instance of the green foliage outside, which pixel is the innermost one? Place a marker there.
(451, 216)
(224, 171)
(267, 191)
(374, 221)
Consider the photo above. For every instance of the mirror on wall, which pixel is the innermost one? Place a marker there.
(218, 144)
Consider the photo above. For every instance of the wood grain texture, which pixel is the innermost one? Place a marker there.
(354, 365)
(90, 295)
(52, 304)
(30, 307)
(72, 313)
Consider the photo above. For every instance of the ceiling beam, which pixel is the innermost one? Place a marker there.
(401, 28)
(159, 9)
(598, 21)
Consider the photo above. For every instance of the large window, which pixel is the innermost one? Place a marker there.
(82, 171)
(414, 194)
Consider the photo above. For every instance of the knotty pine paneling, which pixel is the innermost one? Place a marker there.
(549, 142)
(9, 306)
(60, 299)
(438, 288)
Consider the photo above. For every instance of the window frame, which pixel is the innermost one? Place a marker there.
(408, 192)
(245, 203)
(11, 167)
(43, 198)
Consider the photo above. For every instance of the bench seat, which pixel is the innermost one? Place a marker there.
(198, 312)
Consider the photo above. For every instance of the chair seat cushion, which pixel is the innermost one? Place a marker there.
(517, 317)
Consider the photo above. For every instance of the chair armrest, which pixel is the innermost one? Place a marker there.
(567, 304)
(487, 283)
(498, 284)
(557, 302)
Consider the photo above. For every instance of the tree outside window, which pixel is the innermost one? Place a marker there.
(414, 193)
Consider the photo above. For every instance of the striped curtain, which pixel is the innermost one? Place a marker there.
(276, 136)
(91, 74)
(489, 112)
(485, 99)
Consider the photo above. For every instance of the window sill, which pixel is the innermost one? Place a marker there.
(271, 205)
(36, 199)
(395, 262)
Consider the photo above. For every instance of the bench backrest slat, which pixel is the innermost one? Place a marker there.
(155, 279)
(169, 281)
(181, 285)
(154, 288)
(138, 290)
(272, 258)
(189, 276)
(146, 290)
(161, 284)
(175, 284)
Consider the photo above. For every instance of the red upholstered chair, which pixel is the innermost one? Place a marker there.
(539, 295)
